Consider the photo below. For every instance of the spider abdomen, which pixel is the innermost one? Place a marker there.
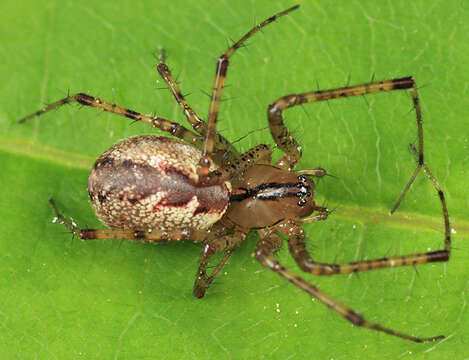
(148, 182)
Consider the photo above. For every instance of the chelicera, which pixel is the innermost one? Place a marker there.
(156, 189)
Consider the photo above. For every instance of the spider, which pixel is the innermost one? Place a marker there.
(157, 189)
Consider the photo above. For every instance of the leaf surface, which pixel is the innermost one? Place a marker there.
(64, 299)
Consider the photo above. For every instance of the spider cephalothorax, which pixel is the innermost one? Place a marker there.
(267, 195)
(155, 189)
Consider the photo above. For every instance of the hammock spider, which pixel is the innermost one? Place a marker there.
(156, 189)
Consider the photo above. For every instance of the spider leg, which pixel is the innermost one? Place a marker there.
(297, 246)
(197, 123)
(263, 254)
(270, 234)
(441, 195)
(221, 144)
(170, 127)
(322, 214)
(218, 86)
(283, 136)
(259, 154)
(292, 149)
(225, 243)
(146, 236)
(317, 172)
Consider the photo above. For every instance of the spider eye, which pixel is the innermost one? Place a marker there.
(302, 202)
(302, 190)
(302, 178)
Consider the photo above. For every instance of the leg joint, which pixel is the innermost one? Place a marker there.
(403, 83)
(437, 256)
(88, 234)
(354, 318)
(85, 99)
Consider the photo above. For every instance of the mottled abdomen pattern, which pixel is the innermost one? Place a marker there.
(148, 182)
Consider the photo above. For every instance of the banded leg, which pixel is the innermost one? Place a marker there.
(292, 149)
(170, 127)
(259, 154)
(149, 236)
(222, 145)
(297, 247)
(283, 136)
(264, 256)
(218, 86)
(441, 195)
(225, 243)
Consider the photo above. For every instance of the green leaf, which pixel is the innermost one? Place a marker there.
(64, 299)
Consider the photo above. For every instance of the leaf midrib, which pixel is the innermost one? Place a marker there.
(345, 211)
